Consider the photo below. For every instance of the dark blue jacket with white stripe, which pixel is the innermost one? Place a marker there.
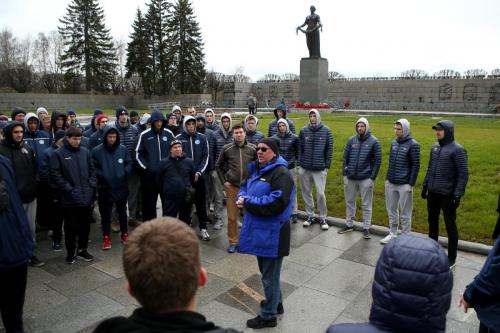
(268, 193)
(37, 140)
(153, 145)
(362, 157)
(447, 172)
(195, 147)
(404, 159)
(315, 146)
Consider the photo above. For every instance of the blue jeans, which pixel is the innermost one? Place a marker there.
(270, 268)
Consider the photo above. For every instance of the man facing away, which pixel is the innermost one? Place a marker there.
(361, 163)
(404, 164)
(167, 296)
(444, 184)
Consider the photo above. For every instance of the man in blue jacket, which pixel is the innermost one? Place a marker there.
(361, 163)
(315, 154)
(279, 113)
(444, 184)
(253, 135)
(16, 249)
(404, 164)
(195, 146)
(96, 138)
(112, 165)
(73, 176)
(266, 195)
(153, 146)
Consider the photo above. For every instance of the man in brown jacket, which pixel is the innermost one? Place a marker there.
(232, 167)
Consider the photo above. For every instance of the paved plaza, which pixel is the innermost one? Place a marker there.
(326, 279)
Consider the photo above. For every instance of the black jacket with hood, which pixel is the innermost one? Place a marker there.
(289, 145)
(195, 147)
(273, 125)
(53, 129)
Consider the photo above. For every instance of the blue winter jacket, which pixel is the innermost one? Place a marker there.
(483, 294)
(404, 159)
(254, 136)
(362, 157)
(289, 145)
(73, 176)
(315, 146)
(37, 140)
(268, 193)
(128, 137)
(447, 172)
(218, 140)
(273, 125)
(44, 168)
(411, 289)
(96, 139)
(153, 145)
(112, 166)
(16, 243)
(174, 175)
(195, 147)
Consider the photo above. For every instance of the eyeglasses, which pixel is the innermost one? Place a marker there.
(262, 149)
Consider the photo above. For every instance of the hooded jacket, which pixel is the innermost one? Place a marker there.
(404, 158)
(112, 166)
(37, 140)
(219, 139)
(174, 175)
(215, 124)
(96, 139)
(16, 243)
(289, 145)
(483, 293)
(268, 193)
(128, 136)
(143, 321)
(195, 146)
(53, 118)
(447, 172)
(411, 289)
(175, 129)
(273, 125)
(153, 145)
(362, 155)
(73, 176)
(253, 136)
(24, 163)
(90, 129)
(315, 145)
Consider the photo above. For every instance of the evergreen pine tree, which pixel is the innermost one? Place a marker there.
(88, 46)
(186, 49)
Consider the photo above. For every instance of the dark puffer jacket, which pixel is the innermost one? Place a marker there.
(289, 145)
(218, 140)
(447, 172)
(273, 125)
(128, 136)
(315, 146)
(53, 129)
(254, 136)
(73, 176)
(411, 290)
(37, 140)
(404, 158)
(174, 175)
(195, 147)
(96, 139)
(362, 155)
(112, 167)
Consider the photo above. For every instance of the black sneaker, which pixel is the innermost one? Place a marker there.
(366, 234)
(35, 262)
(452, 264)
(259, 322)
(279, 309)
(84, 255)
(56, 247)
(70, 258)
(345, 229)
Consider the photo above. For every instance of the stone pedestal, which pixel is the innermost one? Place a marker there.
(313, 80)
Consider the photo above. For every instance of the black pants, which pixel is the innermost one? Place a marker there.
(436, 203)
(177, 207)
(200, 202)
(485, 329)
(149, 190)
(76, 224)
(43, 209)
(105, 209)
(12, 290)
(57, 219)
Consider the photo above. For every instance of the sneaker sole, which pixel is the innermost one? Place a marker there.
(71, 262)
(367, 237)
(85, 259)
(344, 231)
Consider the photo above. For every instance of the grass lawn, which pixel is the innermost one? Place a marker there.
(476, 215)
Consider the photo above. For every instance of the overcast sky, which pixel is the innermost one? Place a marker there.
(359, 38)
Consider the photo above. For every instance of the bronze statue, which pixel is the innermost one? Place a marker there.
(312, 33)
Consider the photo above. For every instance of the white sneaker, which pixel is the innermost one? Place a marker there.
(308, 222)
(387, 238)
(204, 235)
(323, 224)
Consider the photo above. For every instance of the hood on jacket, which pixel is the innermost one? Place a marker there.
(105, 132)
(412, 286)
(251, 116)
(55, 115)
(281, 107)
(367, 124)
(226, 115)
(186, 119)
(201, 116)
(155, 116)
(449, 131)
(28, 117)
(318, 116)
(7, 133)
(405, 124)
(282, 121)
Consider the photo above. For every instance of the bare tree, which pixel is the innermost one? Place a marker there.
(447, 74)
(495, 73)
(118, 84)
(214, 82)
(289, 77)
(335, 76)
(271, 78)
(414, 74)
(475, 73)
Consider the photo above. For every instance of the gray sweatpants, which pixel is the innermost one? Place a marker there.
(218, 192)
(351, 189)
(294, 173)
(399, 203)
(307, 178)
(134, 195)
(30, 209)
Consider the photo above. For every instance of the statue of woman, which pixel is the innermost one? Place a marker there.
(312, 33)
